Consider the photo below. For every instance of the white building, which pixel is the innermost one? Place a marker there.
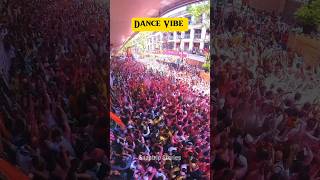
(194, 40)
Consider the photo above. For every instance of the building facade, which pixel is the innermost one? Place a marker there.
(195, 40)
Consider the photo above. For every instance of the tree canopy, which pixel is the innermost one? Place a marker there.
(197, 10)
(309, 14)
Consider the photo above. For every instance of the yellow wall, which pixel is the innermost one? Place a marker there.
(307, 46)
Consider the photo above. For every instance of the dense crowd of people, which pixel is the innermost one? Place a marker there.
(168, 129)
(53, 122)
(266, 108)
(189, 74)
(53, 108)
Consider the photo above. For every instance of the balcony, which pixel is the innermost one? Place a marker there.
(186, 36)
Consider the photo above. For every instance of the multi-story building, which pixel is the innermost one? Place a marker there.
(194, 41)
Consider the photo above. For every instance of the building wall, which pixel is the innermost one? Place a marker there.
(152, 42)
(308, 47)
(194, 62)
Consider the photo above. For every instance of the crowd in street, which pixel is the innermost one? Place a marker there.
(53, 122)
(53, 105)
(265, 100)
(188, 74)
(168, 128)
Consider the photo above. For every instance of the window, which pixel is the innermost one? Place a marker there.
(178, 45)
(197, 33)
(178, 35)
(187, 34)
(186, 46)
(171, 36)
(164, 46)
(170, 45)
(206, 46)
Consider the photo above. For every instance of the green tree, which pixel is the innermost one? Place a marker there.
(309, 15)
(140, 41)
(197, 10)
(127, 45)
(137, 41)
(206, 65)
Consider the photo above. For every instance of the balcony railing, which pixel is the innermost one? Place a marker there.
(186, 36)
